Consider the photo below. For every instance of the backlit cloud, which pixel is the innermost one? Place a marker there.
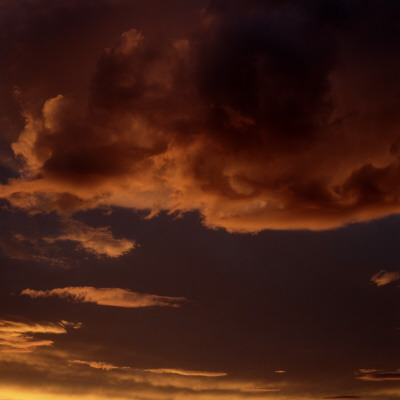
(114, 297)
(343, 397)
(21, 337)
(97, 364)
(241, 121)
(378, 375)
(384, 277)
(186, 372)
(99, 241)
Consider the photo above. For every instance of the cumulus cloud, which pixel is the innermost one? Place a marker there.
(378, 375)
(113, 297)
(383, 277)
(267, 117)
(20, 336)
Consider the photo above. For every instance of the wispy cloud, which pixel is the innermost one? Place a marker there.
(98, 241)
(114, 297)
(23, 247)
(378, 375)
(384, 277)
(186, 372)
(19, 337)
(260, 390)
(97, 365)
(342, 397)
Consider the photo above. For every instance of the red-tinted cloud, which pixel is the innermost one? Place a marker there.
(114, 297)
(267, 117)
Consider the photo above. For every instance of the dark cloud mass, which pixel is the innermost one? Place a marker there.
(261, 115)
(128, 129)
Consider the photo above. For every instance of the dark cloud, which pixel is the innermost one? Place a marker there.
(266, 116)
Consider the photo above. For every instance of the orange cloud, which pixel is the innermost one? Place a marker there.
(383, 277)
(178, 126)
(186, 372)
(19, 337)
(97, 365)
(98, 241)
(114, 297)
(378, 375)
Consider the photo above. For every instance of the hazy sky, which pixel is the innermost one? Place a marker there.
(198, 199)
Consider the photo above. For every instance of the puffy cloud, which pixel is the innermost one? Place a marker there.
(384, 277)
(114, 297)
(378, 375)
(267, 117)
(19, 336)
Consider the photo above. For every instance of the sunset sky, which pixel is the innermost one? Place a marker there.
(199, 199)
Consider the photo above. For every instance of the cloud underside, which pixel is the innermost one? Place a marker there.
(241, 122)
(113, 297)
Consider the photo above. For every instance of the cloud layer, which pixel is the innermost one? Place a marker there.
(378, 375)
(20, 337)
(267, 117)
(113, 297)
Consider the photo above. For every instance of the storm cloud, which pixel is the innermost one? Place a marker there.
(265, 116)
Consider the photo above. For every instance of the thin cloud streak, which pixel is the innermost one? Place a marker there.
(186, 372)
(19, 337)
(113, 297)
(97, 365)
(378, 375)
(342, 397)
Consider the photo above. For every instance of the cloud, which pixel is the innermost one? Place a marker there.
(343, 397)
(113, 297)
(99, 241)
(383, 277)
(378, 375)
(22, 247)
(37, 246)
(97, 365)
(186, 372)
(260, 390)
(19, 337)
(266, 117)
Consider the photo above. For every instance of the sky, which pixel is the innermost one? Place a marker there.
(199, 199)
